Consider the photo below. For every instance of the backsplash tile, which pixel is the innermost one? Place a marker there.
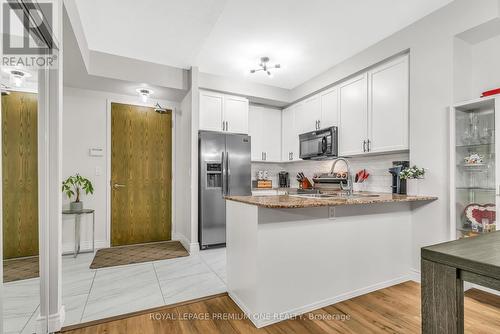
(377, 166)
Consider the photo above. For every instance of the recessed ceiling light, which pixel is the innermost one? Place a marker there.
(17, 76)
(144, 93)
(264, 66)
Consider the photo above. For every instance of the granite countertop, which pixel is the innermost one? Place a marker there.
(290, 202)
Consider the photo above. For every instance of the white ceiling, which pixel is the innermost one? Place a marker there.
(228, 37)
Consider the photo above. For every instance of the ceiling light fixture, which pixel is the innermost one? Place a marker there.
(264, 66)
(17, 76)
(144, 93)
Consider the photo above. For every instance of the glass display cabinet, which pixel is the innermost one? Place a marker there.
(473, 168)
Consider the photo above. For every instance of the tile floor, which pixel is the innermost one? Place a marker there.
(95, 294)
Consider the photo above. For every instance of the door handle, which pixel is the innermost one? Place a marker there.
(368, 145)
(227, 126)
(319, 124)
(118, 185)
(228, 174)
(223, 172)
(364, 145)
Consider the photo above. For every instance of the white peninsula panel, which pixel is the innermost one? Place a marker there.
(284, 262)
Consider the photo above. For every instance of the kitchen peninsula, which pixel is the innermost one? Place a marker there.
(287, 255)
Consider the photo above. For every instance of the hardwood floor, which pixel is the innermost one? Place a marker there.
(391, 310)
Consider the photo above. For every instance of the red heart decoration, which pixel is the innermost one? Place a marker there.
(477, 212)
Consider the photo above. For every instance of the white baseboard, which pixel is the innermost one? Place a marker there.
(85, 245)
(191, 247)
(314, 306)
(55, 322)
(415, 275)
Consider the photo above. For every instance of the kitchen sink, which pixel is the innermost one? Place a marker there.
(315, 195)
(333, 195)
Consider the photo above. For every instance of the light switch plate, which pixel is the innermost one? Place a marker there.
(96, 152)
(98, 171)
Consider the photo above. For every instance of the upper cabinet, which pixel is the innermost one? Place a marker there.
(308, 115)
(318, 112)
(353, 116)
(329, 108)
(211, 110)
(374, 110)
(222, 112)
(388, 87)
(236, 114)
(265, 130)
(290, 133)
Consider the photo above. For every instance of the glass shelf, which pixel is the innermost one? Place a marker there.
(476, 189)
(477, 146)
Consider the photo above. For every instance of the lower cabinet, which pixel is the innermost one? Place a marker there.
(265, 131)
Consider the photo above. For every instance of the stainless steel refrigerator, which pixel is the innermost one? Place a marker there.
(224, 169)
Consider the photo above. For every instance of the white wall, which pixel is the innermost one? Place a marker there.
(430, 41)
(85, 126)
(182, 224)
(485, 71)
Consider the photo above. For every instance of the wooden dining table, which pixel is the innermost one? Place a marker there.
(445, 267)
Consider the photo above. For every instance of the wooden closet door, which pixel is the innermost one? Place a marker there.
(20, 175)
(141, 182)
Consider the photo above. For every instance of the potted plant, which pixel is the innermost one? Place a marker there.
(72, 186)
(412, 175)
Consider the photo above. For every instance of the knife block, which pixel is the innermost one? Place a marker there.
(305, 184)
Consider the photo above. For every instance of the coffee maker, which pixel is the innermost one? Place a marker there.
(398, 185)
(284, 179)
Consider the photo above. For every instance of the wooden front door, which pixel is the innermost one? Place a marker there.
(20, 175)
(141, 169)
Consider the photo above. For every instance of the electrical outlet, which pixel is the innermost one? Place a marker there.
(98, 171)
(331, 212)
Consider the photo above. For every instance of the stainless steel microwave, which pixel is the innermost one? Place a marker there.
(319, 144)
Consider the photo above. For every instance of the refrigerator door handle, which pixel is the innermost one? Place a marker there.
(223, 179)
(228, 173)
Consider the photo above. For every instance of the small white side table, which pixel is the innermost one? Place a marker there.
(78, 214)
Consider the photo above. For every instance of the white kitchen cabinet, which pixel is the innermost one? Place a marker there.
(265, 130)
(222, 112)
(353, 130)
(308, 115)
(211, 111)
(388, 87)
(290, 150)
(236, 114)
(329, 108)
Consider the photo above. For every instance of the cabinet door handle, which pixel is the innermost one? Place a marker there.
(368, 145)
(319, 124)
(265, 156)
(364, 145)
(291, 155)
(223, 126)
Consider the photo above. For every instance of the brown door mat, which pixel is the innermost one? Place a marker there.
(122, 255)
(20, 268)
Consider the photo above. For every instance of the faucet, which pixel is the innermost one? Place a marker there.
(348, 187)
